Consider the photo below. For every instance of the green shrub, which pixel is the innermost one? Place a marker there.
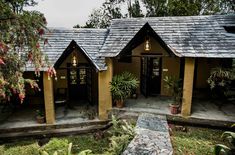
(58, 145)
(32, 149)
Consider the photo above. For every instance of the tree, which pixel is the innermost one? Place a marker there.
(188, 7)
(100, 18)
(134, 9)
(20, 40)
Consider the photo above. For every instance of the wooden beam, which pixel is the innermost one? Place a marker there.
(188, 86)
(48, 99)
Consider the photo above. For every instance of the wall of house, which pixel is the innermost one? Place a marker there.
(170, 65)
(203, 69)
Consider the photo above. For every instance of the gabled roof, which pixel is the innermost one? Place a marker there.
(89, 40)
(185, 36)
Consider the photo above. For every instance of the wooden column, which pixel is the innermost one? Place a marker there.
(48, 99)
(104, 94)
(188, 86)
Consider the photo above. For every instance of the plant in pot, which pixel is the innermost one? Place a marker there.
(174, 86)
(40, 118)
(121, 87)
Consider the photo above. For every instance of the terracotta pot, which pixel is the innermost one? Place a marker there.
(174, 108)
(40, 119)
(119, 103)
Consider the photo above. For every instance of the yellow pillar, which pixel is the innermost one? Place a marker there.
(188, 86)
(48, 99)
(104, 94)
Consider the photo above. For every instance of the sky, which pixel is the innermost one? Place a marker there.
(66, 13)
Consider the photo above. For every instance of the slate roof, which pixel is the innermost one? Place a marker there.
(185, 36)
(90, 40)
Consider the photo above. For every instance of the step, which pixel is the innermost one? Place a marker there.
(53, 126)
(48, 133)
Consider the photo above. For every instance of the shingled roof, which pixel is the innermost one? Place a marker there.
(89, 40)
(185, 36)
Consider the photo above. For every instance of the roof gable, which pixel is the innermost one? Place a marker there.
(71, 47)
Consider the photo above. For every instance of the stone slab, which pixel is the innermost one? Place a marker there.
(152, 137)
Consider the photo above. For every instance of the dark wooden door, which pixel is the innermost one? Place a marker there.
(77, 83)
(150, 76)
(144, 76)
(155, 76)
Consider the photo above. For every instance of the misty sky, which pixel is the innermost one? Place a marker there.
(66, 13)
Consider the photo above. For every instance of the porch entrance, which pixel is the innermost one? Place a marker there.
(150, 76)
(79, 82)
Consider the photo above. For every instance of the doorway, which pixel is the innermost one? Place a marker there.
(150, 76)
(78, 82)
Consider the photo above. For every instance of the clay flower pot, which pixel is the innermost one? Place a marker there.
(40, 119)
(119, 103)
(174, 108)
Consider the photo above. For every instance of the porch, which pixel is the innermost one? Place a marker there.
(25, 116)
(204, 111)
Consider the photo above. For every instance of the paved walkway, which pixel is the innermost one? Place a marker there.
(152, 137)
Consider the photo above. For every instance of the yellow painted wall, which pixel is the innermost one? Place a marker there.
(204, 67)
(171, 64)
(170, 67)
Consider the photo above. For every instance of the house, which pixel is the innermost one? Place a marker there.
(187, 47)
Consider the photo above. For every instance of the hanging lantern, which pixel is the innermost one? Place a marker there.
(147, 44)
(74, 60)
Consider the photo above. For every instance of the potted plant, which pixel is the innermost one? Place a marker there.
(40, 118)
(122, 86)
(174, 85)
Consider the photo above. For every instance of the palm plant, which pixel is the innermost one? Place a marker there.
(122, 86)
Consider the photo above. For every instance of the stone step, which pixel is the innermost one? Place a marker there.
(53, 126)
(8, 137)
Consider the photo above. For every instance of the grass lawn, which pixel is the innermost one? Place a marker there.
(80, 143)
(195, 141)
(186, 141)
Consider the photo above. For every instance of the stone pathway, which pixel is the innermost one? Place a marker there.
(152, 137)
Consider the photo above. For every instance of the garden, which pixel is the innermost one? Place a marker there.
(113, 141)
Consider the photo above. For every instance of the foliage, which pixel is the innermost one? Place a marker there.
(61, 146)
(134, 9)
(223, 149)
(175, 87)
(195, 141)
(101, 17)
(122, 133)
(39, 113)
(20, 40)
(220, 80)
(123, 85)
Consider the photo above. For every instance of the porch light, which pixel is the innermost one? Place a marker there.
(147, 44)
(74, 60)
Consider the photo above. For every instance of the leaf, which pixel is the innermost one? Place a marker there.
(221, 148)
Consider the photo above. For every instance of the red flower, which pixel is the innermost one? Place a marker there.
(30, 56)
(41, 31)
(2, 62)
(37, 45)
